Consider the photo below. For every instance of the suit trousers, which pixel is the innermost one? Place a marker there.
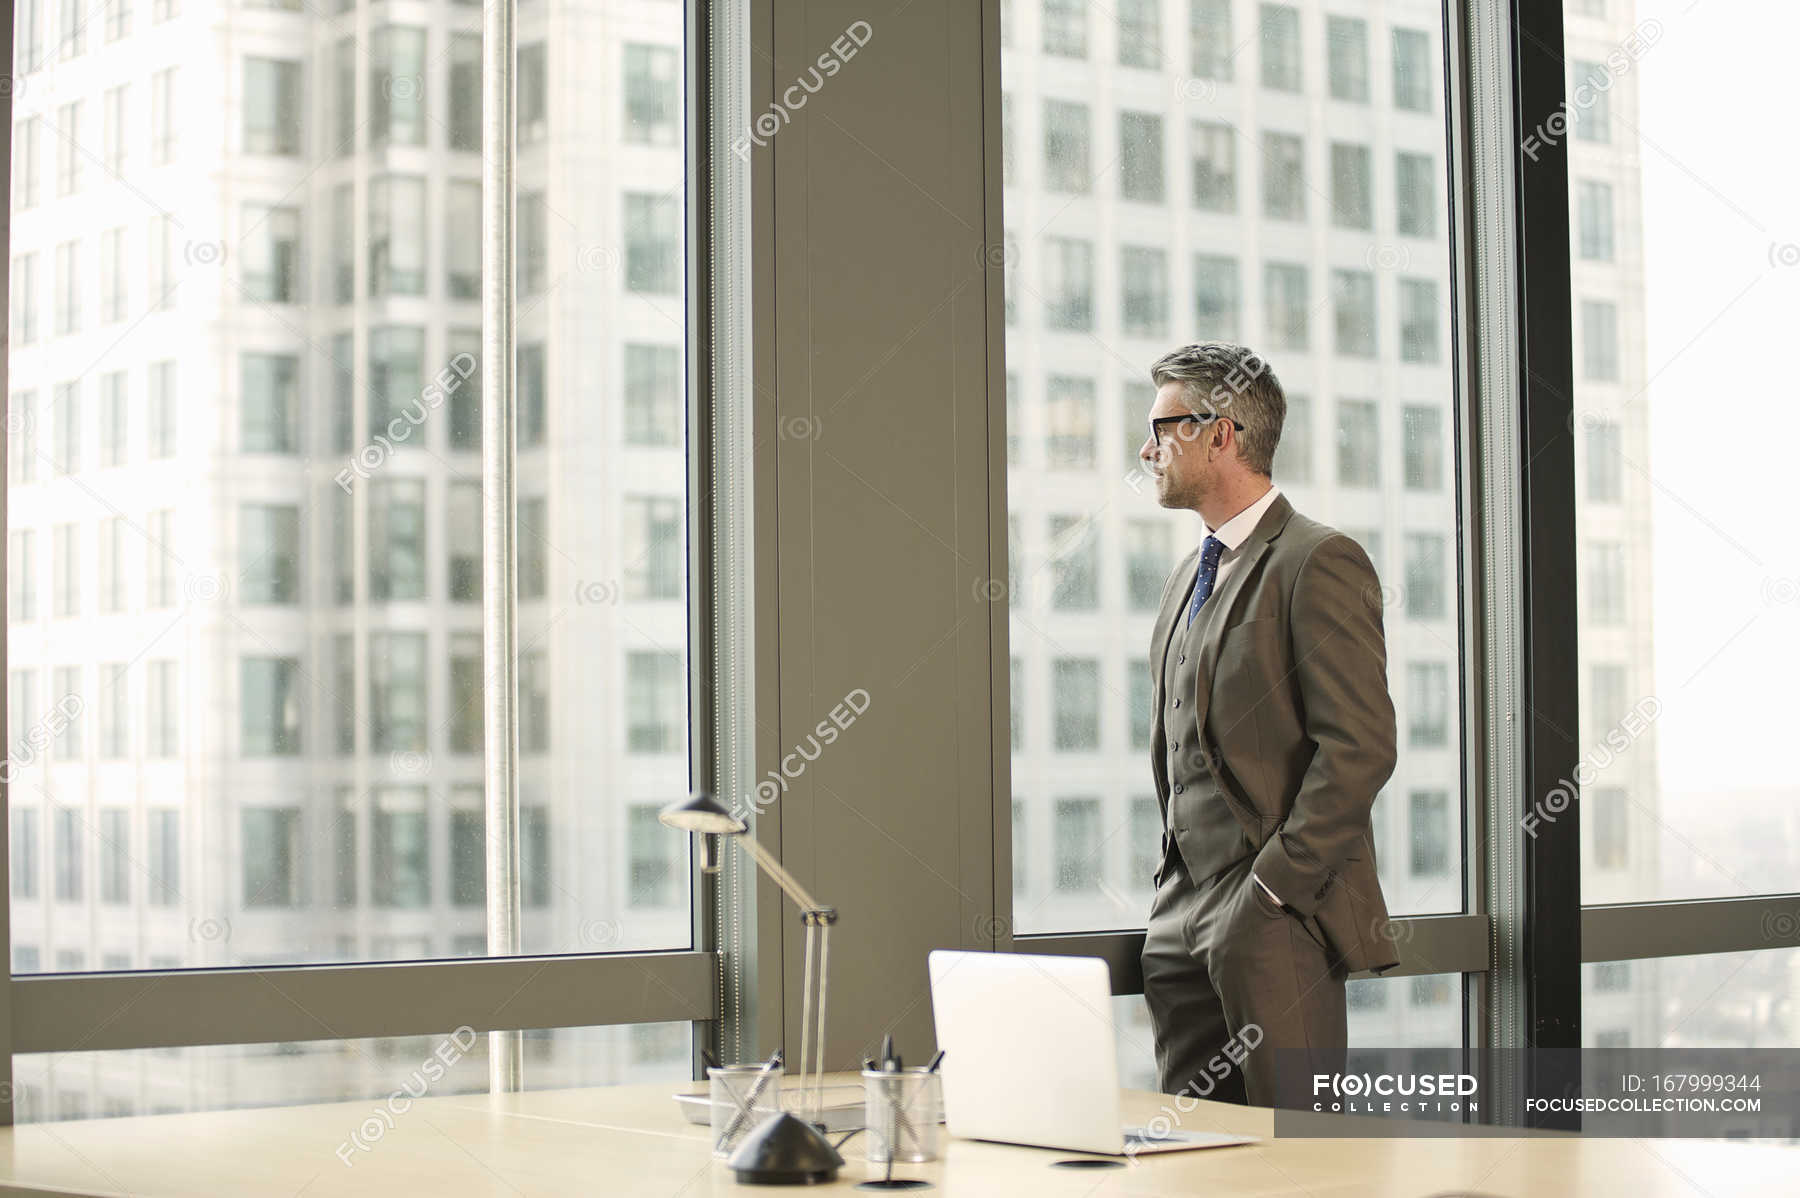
(1244, 1001)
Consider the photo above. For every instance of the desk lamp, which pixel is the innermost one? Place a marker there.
(782, 1150)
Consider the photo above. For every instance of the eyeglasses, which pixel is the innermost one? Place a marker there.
(1196, 417)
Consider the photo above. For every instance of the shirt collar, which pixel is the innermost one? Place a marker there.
(1234, 530)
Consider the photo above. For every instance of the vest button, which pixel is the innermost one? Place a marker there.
(1178, 702)
(1178, 788)
(1182, 660)
(1174, 744)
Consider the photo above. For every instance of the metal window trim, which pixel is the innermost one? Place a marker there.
(1689, 927)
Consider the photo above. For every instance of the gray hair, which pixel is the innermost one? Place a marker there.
(1232, 380)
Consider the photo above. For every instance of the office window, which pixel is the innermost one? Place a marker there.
(396, 383)
(397, 695)
(1426, 566)
(468, 853)
(115, 855)
(114, 291)
(1286, 306)
(1427, 704)
(1215, 297)
(1414, 70)
(66, 308)
(273, 106)
(1074, 563)
(164, 127)
(400, 869)
(1606, 582)
(24, 299)
(1214, 166)
(652, 244)
(396, 86)
(1353, 312)
(1147, 562)
(463, 428)
(1347, 58)
(1144, 291)
(1066, 147)
(1021, 862)
(1065, 28)
(1590, 101)
(462, 250)
(65, 571)
(1140, 33)
(341, 284)
(1078, 845)
(22, 441)
(269, 553)
(655, 702)
(652, 395)
(467, 716)
(1138, 695)
(652, 94)
(68, 694)
(1605, 811)
(1294, 452)
(71, 153)
(273, 856)
(534, 533)
(1145, 853)
(115, 146)
(115, 711)
(1279, 26)
(109, 553)
(1599, 341)
(533, 262)
(1068, 284)
(463, 530)
(1352, 201)
(1594, 219)
(533, 98)
(1075, 696)
(24, 839)
(25, 163)
(163, 418)
(162, 709)
(1605, 476)
(160, 560)
(343, 87)
(1415, 195)
(1283, 176)
(1606, 698)
(1358, 444)
(68, 852)
(1070, 408)
(652, 547)
(270, 403)
(1430, 828)
(269, 704)
(1418, 320)
(1141, 157)
(271, 249)
(1422, 447)
(1210, 41)
(343, 693)
(396, 235)
(22, 698)
(397, 561)
(65, 428)
(650, 869)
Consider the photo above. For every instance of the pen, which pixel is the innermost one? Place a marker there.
(936, 1060)
(743, 1112)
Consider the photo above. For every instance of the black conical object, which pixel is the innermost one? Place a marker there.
(784, 1150)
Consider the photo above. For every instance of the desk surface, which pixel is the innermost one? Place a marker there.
(631, 1140)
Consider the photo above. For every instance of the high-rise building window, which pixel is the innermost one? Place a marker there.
(652, 546)
(270, 705)
(343, 99)
(1279, 26)
(1286, 306)
(1016, 701)
(115, 855)
(1140, 33)
(1210, 44)
(652, 394)
(115, 711)
(343, 243)
(1606, 582)
(163, 835)
(1141, 157)
(1071, 408)
(463, 531)
(396, 235)
(652, 94)
(397, 693)
(1074, 564)
(532, 395)
(1216, 297)
(397, 86)
(1021, 835)
(1427, 704)
(1605, 808)
(1605, 476)
(655, 702)
(1294, 452)
(160, 560)
(271, 250)
(1143, 291)
(1418, 320)
(21, 441)
(114, 291)
(1426, 570)
(397, 539)
(25, 162)
(652, 244)
(1283, 176)
(65, 428)
(1075, 683)
(67, 690)
(396, 382)
(24, 299)
(1065, 28)
(71, 152)
(462, 251)
(1430, 829)
(1353, 312)
(165, 132)
(1590, 106)
(1146, 562)
(400, 871)
(65, 571)
(467, 717)
(1612, 977)
(1347, 58)
(1078, 845)
(1413, 70)
(1606, 699)
(465, 91)
(1594, 219)
(66, 309)
(534, 536)
(339, 508)
(162, 709)
(22, 699)
(464, 425)
(270, 403)
(650, 868)
(1066, 147)
(1422, 447)
(1415, 195)
(343, 696)
(468, 852)
(1137, 679)
(24, 837)
(273, 856)
(534, 87)
(118, 19)
(272, 106)
(1599, 341)
(1068, 265)
(533, 264)
(1352, 201)
(1358, 444)
(115, 147)
(1214, 166)
(68, 853)
(269, 552)
(164, 411)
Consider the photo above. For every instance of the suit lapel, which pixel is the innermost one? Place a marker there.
(1216, 614)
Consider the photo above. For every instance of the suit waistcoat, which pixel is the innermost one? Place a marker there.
(1210, 837)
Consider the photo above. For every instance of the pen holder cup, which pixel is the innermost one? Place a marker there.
(904, 1117)
(742, 1097)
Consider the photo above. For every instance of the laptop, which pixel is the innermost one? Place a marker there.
(1029, 1056)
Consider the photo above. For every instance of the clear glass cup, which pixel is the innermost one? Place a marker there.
(742, 1097)
(905, 1114)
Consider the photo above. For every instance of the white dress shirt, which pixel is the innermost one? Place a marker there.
(1232, 533)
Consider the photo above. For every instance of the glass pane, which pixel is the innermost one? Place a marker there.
(167, 1081)
(244, 439)
(1689, 576)
(1275, 175)
(1720, 1000)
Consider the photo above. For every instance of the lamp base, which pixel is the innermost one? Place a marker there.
(784, 1150)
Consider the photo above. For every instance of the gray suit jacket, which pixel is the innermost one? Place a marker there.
(1293, 704)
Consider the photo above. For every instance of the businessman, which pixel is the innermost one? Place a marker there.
(1271, 732)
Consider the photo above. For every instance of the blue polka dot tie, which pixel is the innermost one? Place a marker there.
(1210, 549)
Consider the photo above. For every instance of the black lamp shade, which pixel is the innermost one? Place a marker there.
(700, 812)
(784, 1150)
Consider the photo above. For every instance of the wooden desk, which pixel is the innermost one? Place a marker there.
(631, 1140)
